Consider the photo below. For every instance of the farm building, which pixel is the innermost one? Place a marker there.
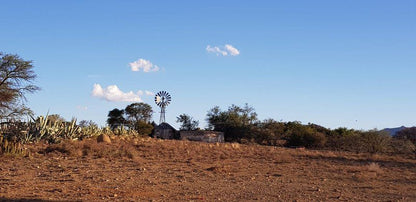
(202, 136)
(165, 131)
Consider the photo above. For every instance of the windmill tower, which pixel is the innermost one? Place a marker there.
(162, 99)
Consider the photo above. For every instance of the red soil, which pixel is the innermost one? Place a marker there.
(147, 169)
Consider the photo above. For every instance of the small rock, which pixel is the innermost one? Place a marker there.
(103, 138)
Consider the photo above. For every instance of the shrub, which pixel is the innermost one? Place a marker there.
(407, 134)
(269, 132)
(306, 137)
(374, 167)
(374, 142)
(401, 146)
(144, 128)
(11, 147)
(92, 148)
(343, 139)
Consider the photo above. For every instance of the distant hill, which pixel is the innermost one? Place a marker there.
(393, 131)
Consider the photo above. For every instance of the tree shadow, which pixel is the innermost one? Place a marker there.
(385, 163)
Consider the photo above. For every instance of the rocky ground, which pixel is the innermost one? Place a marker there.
(135, 169)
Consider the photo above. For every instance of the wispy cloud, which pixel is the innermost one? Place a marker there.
(216, 50)
(232, 50)
(83, 108)
(113, 94)
(149, 93)
(145, 65)
(226, 50)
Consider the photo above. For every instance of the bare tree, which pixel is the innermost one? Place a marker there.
(16, 79)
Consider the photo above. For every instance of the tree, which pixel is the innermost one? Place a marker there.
(269, 132)
(236, 123)
(235, 116)
(139, 112)
(407, 134)
(374, 141)
(87, 123)
(187, 122)
(303, 135)
(116, 118)
(138, 117)
(16, 77)
(55, 118)
(144, 128)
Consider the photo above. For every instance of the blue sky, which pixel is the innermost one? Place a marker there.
(333, 63)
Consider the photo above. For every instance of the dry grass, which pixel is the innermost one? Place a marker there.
(374, 167)
(135, 169)
(90, 148)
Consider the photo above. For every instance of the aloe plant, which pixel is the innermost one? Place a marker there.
(71, 130)
(40, 127)
(90, 131)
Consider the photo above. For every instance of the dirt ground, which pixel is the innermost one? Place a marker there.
(138, 169)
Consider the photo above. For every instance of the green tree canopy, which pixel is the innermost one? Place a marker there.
(139, 112)
(56, 118)
(116, 118)
(139, 116)
(236, 123)
(187, 122)
(235, 116)
(87, 123)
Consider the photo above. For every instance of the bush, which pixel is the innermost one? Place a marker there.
(401, 146)
(269, 132)
(306, 137)
(374, 142)
(343, 139)
(407, 134)
(236, 123)
(144, 128)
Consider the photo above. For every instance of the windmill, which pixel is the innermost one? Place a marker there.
(162, 99)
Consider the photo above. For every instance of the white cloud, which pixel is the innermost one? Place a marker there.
(146, 65)
(233, 51)
(225, 50)
(149, 93)
(216, 50)
(113, 94)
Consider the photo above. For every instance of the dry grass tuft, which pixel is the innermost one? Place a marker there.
(235, 145)
(367, 172)
(92, 148)
(374, 167)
